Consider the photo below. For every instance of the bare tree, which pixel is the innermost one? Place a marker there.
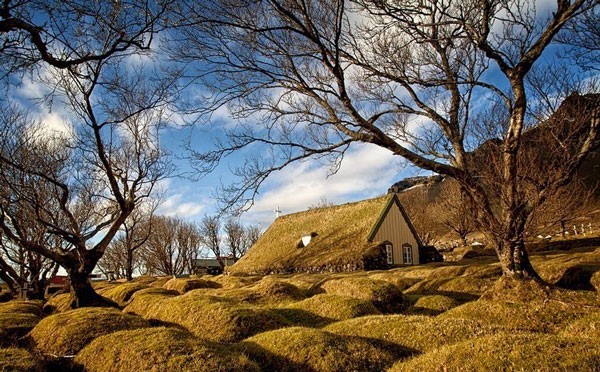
(210, 230)
(253, 233)
(235, 238)
(454, 211)
(412, 77)
(122, 256)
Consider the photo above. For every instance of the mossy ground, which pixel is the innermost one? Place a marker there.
(458, 316)
(18, 360)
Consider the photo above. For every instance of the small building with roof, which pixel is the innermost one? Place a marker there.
(369, 234)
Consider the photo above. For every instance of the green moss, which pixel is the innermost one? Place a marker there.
(416, 332)
(68, 332)
(213, 318)
(183, 285)
(299, 349)
(18, 360)
(385, 296)
(509, 353)
(275, 289)
(160, 350)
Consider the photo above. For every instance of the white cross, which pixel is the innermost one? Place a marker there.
(277, 211)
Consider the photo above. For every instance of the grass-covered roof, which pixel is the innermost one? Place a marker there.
(339, 238)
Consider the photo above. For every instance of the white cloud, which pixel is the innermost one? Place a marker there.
(183, 204)
(366, 171)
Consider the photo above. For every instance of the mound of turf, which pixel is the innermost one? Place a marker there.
(15, 325)
(385, 296)
(397, 280)
(183, 285)
(57, 303)
(18, 360)
(121, 293)
(595, 281)
(416, 332)
(68, 332)
(334, 307)
(209, 317)
(446, 272)
(298, 349)
(277, 289)
(153, 291)
(434, 304)
(160, 281)
(587, 327)
(148, 304)
(160, 350)
(509, 353)
(466, 287)
(516, 316)
(22, 307)
(233, 281)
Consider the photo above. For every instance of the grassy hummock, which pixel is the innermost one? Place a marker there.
(509, 353)
(334, 307)
(299, 349)
(434, 304)
(183, 285)
(587, 327)
(121, 293)
(68, 332)
(160, 350)
(213, 318)
(416, 332)
(18, 360)
(385, 296)
(22, 306)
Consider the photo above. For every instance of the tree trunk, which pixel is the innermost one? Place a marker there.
(128, 268)
(514, 261)
(82, 292)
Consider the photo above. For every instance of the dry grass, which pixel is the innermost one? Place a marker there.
(154, 291)
(183, 285)
(121, 293)
(418, 332)
(18, 360)
(334, 307)
(279, 290)
(587, 327)
(299, 349)
(14, 326)
(397, 280)
(384, 295)
(68, 332)
(160, 281)
(341, 238)
(509, 353)
(209, 317)
(160, 350)
(233, 281)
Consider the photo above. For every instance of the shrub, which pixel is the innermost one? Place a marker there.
(434, 304)
(334, 307)
(183, 285)
(121, 293)
(385, 296)
(509, 353)
(416, 332)
(209, 317)
(298, 349)
(18, 360)
(160, 350)
(68, 332)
